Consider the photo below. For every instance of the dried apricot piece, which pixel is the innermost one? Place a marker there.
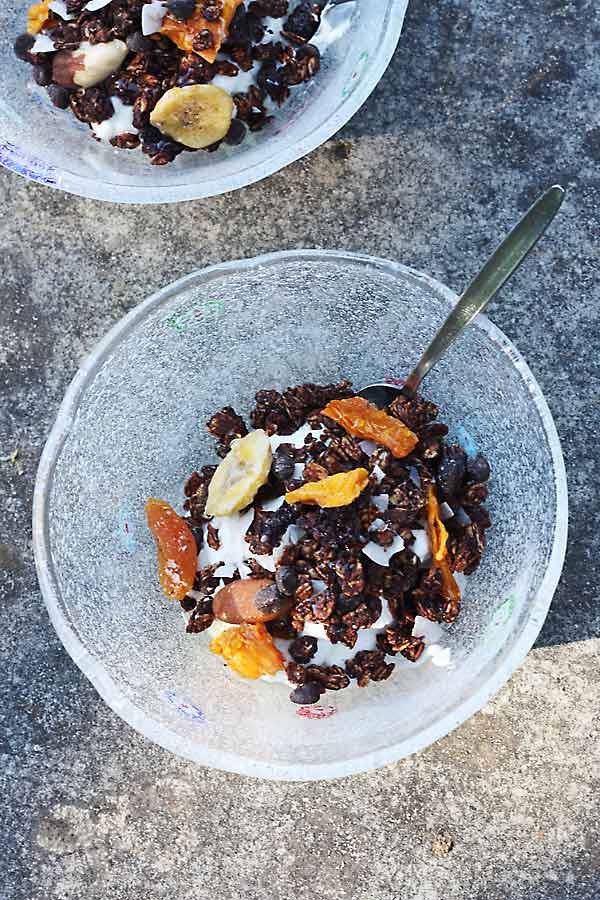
(438, 536)
(177, 551)
(198, 34)
(335, 490)
(364, 420)
(37, 16)
(248, 650)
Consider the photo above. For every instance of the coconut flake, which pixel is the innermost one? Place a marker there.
(291, 535)
(376, 525)
(422, 544)
(60, 8)
(382, 555)
(43, 44)
(152, 16)
(298, 471)
(368, 446)
(378, 473)
(227, 570)
(265, 560)
(381, 501)
(93, 5)
(272, 505)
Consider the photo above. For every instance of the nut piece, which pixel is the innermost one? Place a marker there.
(249, 601)
(89, 64)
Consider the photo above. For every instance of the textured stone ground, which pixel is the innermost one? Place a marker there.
(483, 105)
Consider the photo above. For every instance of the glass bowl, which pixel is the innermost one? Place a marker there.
(51, 147)
(130, 427)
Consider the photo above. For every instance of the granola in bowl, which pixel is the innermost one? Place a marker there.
(329, 543)
(169, 76)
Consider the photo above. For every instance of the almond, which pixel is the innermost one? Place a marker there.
(89, 64)
(250, 600)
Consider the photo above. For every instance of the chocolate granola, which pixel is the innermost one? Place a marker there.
(337, 570)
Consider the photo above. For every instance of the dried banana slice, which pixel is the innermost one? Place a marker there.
(237, 479)
(197, 115)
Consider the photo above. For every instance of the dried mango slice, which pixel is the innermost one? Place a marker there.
(37, 16)
(237, 479)
(177, 551)
(248, 650)
(183, 33)
(438, 536)
(335, 490)
(364, 420)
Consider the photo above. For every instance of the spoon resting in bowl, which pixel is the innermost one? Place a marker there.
(491, 277)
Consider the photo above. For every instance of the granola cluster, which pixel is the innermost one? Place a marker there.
(329, 547)
(153, 64)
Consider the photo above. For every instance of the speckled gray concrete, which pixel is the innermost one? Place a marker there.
(484, 104)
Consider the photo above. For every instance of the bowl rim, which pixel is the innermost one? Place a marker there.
(110, 691)
(18, 160)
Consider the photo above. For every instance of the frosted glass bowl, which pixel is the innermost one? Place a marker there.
(51, 147)
(130, 428)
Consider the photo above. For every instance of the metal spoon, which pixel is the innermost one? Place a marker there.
(486, 284)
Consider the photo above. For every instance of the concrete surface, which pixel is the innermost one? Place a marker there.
(484, 104)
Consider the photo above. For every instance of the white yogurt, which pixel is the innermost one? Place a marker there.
(296, 439)
(237, 84)
(233, 550)
(121, 122)
(329, 654)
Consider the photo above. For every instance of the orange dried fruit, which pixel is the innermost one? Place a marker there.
(248, 650)
(182, 33)
(364, 420)
(37, 16)
(177, 551)
(438, 536)
(335, 490)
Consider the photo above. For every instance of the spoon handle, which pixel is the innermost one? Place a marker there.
(494, 274)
